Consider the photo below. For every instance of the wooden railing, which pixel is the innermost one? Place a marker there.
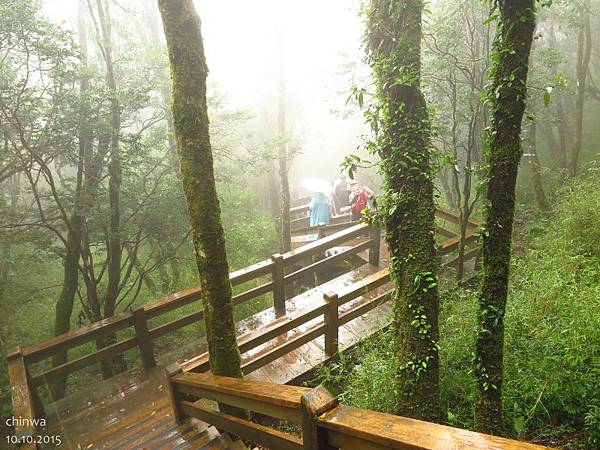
(303, 221)
(328, 308)
(325, 424)
(283, 269)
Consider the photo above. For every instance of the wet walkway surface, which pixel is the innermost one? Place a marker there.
(131, 410)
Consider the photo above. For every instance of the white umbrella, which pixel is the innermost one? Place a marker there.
(316, 185)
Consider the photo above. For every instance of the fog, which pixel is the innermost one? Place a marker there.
(322, 44)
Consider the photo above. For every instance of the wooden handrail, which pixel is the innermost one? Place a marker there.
(77, 337)
(280, 277)
(353, 429)
(145, 335)
(324, 229)
(304, 222)
(299, 209)
(330, 259)
(451, 216)
(452, 244)
(314, 248)
(279, 401)
(325, 423)
(256, 338)
(301, 201)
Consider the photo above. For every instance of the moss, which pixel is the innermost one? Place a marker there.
(508, 97)
(407, 209)
(190, 118)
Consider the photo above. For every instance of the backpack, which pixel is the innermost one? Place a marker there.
(360, 203)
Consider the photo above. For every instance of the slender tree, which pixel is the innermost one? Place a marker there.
(64, 305)
(393, 37)
(508, 95)
(536, 171)
(282, 154)
(188, 72)
(115, 175)
(584, 54)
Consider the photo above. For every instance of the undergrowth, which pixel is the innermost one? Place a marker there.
(552, 342)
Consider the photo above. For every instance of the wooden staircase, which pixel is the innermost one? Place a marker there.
(161, 432)
(136, 414)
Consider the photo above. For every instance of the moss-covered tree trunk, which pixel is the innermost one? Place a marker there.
(188, 72)
(394, 50)
(274, 194)
(508, 95)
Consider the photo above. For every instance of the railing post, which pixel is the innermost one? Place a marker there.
(321, 232)
(143, 337)
(26, 403)
(173, 396)
(278, 285)
(375, 235)
(313, 404)
(331, 324)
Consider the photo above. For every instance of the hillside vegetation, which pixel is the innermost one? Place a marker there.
(552, 367)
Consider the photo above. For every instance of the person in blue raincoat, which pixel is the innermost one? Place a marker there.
(320, 209)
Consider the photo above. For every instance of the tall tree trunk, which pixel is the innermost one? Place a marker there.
(394, 33)
(152, 17)
(64, 305)
(282, 154)
(584, 53)
(536, 171)
(188, 73)
(562, 121)
(509, 87)
(274, 195)
(115, 173)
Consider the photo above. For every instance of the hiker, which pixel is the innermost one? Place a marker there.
(359, 199)
(341, 193)
(320, 209)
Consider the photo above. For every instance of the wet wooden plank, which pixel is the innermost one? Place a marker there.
(22, 397)
(353, 428)
(128, 426)
(260, 434)
(284, 396)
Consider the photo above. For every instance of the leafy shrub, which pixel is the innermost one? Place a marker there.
(552, 336)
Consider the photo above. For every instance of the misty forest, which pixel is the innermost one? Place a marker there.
(279, 225)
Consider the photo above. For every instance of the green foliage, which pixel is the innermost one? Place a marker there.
(552, 356)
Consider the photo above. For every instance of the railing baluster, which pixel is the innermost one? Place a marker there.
(143, 337)
(331, 324)
(375, 235)
(278, 285)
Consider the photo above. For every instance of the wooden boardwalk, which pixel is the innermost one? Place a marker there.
(281, 344)
(131, 411)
